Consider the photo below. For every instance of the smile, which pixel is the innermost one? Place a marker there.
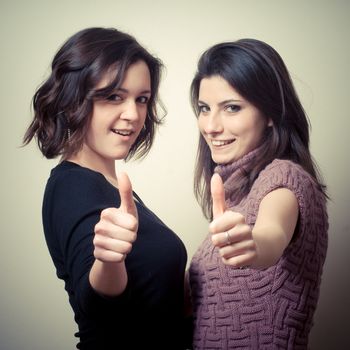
(122, 132)
(220, 143)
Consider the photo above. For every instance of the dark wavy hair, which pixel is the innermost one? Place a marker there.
(63, 103)
(257, 72)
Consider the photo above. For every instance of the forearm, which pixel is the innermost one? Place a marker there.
(108, 278)
(270, 244)
(275, 225)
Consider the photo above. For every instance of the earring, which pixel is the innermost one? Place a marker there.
(68, 135)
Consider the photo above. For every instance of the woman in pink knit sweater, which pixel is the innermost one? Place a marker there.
(255, 279)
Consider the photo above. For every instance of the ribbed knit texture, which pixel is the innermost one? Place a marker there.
(270, 308)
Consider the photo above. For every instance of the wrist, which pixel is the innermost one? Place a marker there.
(108, 278)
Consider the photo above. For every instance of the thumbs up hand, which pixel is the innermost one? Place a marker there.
(230, 233)
(117, 229)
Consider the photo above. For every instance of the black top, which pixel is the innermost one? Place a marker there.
(149, 313)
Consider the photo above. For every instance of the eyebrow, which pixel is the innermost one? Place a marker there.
(141, 92)
(222, 103)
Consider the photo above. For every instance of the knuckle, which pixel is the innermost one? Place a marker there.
(236, 263)
(128, 248)
(252, 256)
(238, 217)
(133, 237)
(108, 213)
(122, 257)
(99, 240)
(105, 213)
(99, 228)
(97, 253)
(241, 219)
(252, 246)
(247, 229)
(133, 224)
(225, 252)
(213, 227)
(214, 240)
(230, 261)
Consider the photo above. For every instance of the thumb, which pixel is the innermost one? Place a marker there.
(218, 195)
(127, 203)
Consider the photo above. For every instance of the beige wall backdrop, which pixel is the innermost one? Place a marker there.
(312, 37)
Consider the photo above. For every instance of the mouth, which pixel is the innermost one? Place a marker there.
(220, 143)
(122, 132)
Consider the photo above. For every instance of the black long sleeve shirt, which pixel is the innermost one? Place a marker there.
(149, 312)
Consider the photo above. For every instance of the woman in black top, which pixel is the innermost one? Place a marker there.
(123, 268)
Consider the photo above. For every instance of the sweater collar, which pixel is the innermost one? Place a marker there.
(234, 169)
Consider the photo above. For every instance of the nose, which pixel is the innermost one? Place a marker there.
(212, 123)
(130, 111)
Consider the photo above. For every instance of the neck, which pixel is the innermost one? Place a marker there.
(97, 163)
(227, 170)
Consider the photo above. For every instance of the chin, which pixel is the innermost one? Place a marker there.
(221, 159)
(119, 156)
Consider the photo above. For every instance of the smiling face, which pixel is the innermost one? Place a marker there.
(230, 125)
(118, 119)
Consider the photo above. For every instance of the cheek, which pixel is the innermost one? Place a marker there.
(201, 130)
(262, 126)
(143, 115)
(258, 134)
(200, 124)
(94, 130)
(141, 123)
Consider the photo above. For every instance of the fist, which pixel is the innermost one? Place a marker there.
(117, 228)
(230, 233)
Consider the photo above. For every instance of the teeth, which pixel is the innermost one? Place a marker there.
(121, 132)
(221, 142)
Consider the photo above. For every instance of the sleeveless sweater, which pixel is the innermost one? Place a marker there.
(268, 308)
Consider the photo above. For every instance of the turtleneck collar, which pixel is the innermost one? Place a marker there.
(231, 170)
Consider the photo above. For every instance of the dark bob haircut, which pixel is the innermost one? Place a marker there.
(257, 72)
(63, 103)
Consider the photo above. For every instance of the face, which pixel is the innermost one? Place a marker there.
(117, 120)
(230, 125)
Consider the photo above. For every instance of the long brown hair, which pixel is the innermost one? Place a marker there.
(257, 72)
(63, 103)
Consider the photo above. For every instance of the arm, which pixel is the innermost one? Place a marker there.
(275, 225)
(79, 229)
(263, 245)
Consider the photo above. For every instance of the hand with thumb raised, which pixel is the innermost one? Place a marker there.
(230, 233)
(117, 229)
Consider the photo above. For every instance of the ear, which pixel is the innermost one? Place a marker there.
(269, 122)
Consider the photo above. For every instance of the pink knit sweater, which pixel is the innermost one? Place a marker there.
(271, 308)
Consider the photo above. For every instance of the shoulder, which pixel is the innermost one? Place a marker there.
(68, 172)
(285, 173)
(72, 185)
(282, 173)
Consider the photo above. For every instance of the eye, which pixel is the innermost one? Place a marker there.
(203, 109)
(143, 99)
(114, 98)
(233, 108)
